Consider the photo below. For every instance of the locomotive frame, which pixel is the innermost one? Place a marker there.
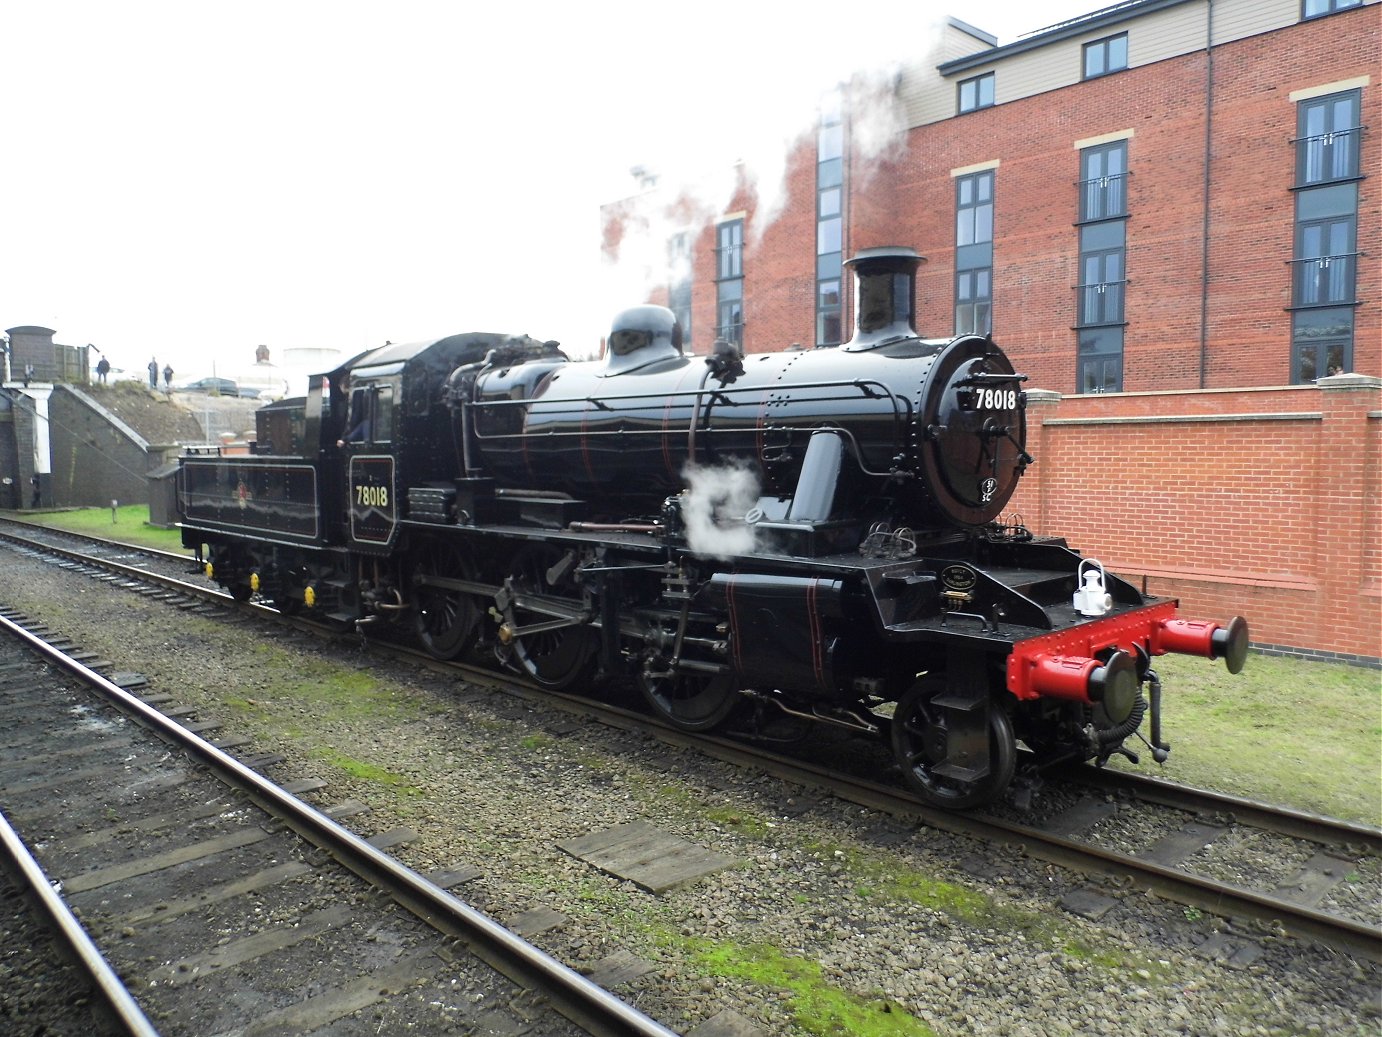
(816, 534)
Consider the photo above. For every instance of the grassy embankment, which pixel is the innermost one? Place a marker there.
(1307, 734)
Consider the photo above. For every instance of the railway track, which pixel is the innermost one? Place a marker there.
(224, 903)
(1190, 863)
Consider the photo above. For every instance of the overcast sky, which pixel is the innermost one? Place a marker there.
(191, 179)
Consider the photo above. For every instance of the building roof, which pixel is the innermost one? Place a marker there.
(1102, 18)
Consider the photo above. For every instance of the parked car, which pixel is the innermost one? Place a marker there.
(213, 386)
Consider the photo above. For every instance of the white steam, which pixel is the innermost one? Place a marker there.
(714, 506)
(719, 161)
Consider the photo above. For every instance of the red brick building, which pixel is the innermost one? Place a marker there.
(1148, 206)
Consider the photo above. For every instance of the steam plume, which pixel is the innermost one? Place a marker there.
(714, 507)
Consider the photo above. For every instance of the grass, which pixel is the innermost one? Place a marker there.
(815, 1005)
(1306, 734)
(130, 525)
(883, 876)
(364, 771)
(325, 685)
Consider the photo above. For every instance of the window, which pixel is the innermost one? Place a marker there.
(973, 302)
(1321, 343)
(1107, 55)
(828, 310)
(1101, 273)
(1325, 262)
(729, 323)
(680, 305)
(1101, 360)
(1324, 259)
(1316, 8)
(974, 209)
(679, 283)
(828, 235)
(729, 284)
(370, 418)
(1327, 144)
(1103, 176)
(974, 253)
(976, 92)
(1100, 294)
(729, 250)
(830, 221)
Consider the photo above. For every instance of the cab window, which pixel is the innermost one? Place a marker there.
(370, 418)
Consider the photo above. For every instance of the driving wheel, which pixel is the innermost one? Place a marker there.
(444, 617)
(920, 736)
(688, 700)
(560, 656)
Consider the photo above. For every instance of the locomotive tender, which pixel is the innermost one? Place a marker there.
(812, 533)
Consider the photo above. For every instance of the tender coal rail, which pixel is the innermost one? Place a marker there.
(227, 904)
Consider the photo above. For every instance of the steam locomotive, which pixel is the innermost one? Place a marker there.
(810, 534)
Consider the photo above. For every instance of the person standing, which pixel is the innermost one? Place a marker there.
(38, 488)
(153, 373)
(102, 370)
(167, 377)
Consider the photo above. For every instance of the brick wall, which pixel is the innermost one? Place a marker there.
(1261, 503)
(1239, 336)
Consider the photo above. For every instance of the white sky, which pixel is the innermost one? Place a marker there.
(190, 179)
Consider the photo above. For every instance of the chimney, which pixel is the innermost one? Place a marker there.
(884, 297)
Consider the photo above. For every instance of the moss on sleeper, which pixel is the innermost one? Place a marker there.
(815, 1005)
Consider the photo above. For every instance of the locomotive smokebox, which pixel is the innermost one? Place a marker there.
(884, 297)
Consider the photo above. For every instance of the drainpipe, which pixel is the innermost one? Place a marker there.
(1204, 226)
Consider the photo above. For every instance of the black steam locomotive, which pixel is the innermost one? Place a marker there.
(812, 534)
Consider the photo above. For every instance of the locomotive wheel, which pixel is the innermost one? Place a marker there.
(919, 737)
(444, 620)
(558, 658)
(690, 701)
(237, 562)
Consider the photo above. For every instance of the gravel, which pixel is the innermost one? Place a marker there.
(834, 919)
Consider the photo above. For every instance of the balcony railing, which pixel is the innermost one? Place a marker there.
(1104, 197)
(1324, 280)
(1328, 156)
(1100, 303)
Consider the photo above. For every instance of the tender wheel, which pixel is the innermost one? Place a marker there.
(919, 738)
(557, 658)
(690, 701)
(444, 619)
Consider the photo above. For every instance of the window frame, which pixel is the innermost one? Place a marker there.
(1320, 345)
(1100, 306)
(831, 228)
(1330, 7)
(977, 83)
(1087, 359)
(974, 301)
(1103, 179)
(1103, 47)
(1328, 105)
(972, 293)
(729, 256)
